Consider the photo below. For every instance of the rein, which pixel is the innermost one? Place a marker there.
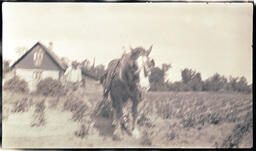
(112, 77)
(105, 95)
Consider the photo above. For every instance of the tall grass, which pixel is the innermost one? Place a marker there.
(39, 114)
(162, 115)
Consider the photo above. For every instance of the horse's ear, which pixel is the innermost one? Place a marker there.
(134, 52)
(149, 50)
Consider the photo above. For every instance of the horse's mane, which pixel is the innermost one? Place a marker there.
(128, 67)
(125, 69)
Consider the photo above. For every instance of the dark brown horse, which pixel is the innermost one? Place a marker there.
(126, 79)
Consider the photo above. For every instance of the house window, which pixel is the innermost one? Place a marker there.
(37, 75)
(38, 57)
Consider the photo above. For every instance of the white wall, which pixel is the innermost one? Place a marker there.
(28, 75)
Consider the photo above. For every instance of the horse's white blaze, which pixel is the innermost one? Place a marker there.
(144, 81)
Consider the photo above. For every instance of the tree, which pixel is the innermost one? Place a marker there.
(238, 84)
(191, 80)
(21, 50)
(242, 84)
(99, 70)
(165, 68)
(187, 75)
(6, 66)
(65, 61)
(215, 83)
(196, 83)
(85, 65)
(157, 77)
(232, 84)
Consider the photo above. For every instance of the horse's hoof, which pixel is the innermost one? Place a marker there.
(118, 133)
(136, 133)
(129, 133)
(116, 138)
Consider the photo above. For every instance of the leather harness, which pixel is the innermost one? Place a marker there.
(106, 92)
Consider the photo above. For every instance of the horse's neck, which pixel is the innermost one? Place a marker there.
(125, 67)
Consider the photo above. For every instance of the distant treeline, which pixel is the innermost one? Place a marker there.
(191, 81)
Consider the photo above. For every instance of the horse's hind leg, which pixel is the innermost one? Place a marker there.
(118, 114)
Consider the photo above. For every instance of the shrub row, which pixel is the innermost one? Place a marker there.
(46, 87)
(50, 87)
(16, 84)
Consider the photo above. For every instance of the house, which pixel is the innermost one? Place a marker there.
(38, 63)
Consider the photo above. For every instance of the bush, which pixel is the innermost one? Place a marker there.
(82, 132)
(146, 140)
(176, 86)
(215, 83)
(50, 87)
(53, 103)
(144, 121)
(22, 105)
(17, 85)
(238, 132)
(104, 109)
(6, 67)
(158, 87)
(191, 81)
(80, 114)
(72, 104)
(239, 84)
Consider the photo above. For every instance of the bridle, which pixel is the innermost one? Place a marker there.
(146, 72)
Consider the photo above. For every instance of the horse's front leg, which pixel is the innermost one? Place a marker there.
(135, 131)
(135, 101)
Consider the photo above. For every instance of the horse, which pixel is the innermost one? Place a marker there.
(126, 79)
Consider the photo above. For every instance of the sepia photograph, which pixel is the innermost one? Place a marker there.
(127, 75)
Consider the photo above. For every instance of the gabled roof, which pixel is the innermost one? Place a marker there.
(49, 52)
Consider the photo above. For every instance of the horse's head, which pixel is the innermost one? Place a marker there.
(144, 65)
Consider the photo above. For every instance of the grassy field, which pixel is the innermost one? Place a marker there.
(184, 119)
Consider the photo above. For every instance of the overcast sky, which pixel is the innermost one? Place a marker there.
(208, 38)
